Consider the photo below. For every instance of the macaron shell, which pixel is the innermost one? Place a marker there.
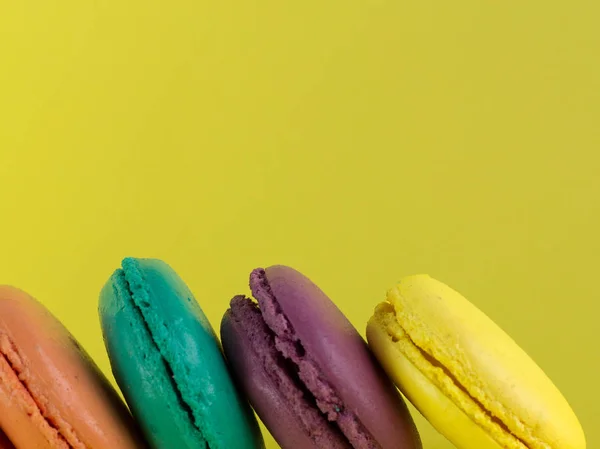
(343, 358)
(141, 373)
(443, 414)
(500, 378)
(21, 417)
(264, 394)
(189, 345)
(68, 387)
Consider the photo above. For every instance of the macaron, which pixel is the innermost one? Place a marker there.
(167, 360)
(306, 370)
(52, 395)
(472, 381)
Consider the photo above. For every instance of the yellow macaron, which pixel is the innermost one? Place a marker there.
(465, 374)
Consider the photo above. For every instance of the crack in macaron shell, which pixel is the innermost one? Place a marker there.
(290, 345)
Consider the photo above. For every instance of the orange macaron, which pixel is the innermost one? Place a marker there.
(52, 395)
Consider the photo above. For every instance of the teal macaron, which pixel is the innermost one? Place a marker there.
(168, 362)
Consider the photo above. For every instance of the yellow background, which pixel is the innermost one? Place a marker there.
(358, 141)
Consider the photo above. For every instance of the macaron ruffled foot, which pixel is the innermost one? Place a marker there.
(466, 375)
(52, 395)
(307, 372)
(168, 362)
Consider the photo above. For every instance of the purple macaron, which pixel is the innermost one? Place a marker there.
(306, 370)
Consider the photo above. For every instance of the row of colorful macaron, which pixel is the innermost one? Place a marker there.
(288, 355)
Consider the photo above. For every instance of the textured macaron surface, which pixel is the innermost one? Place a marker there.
(272, 383)
(52, 395)
(168, 362)
(326, 359)
(141, 372)
(474, 364)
